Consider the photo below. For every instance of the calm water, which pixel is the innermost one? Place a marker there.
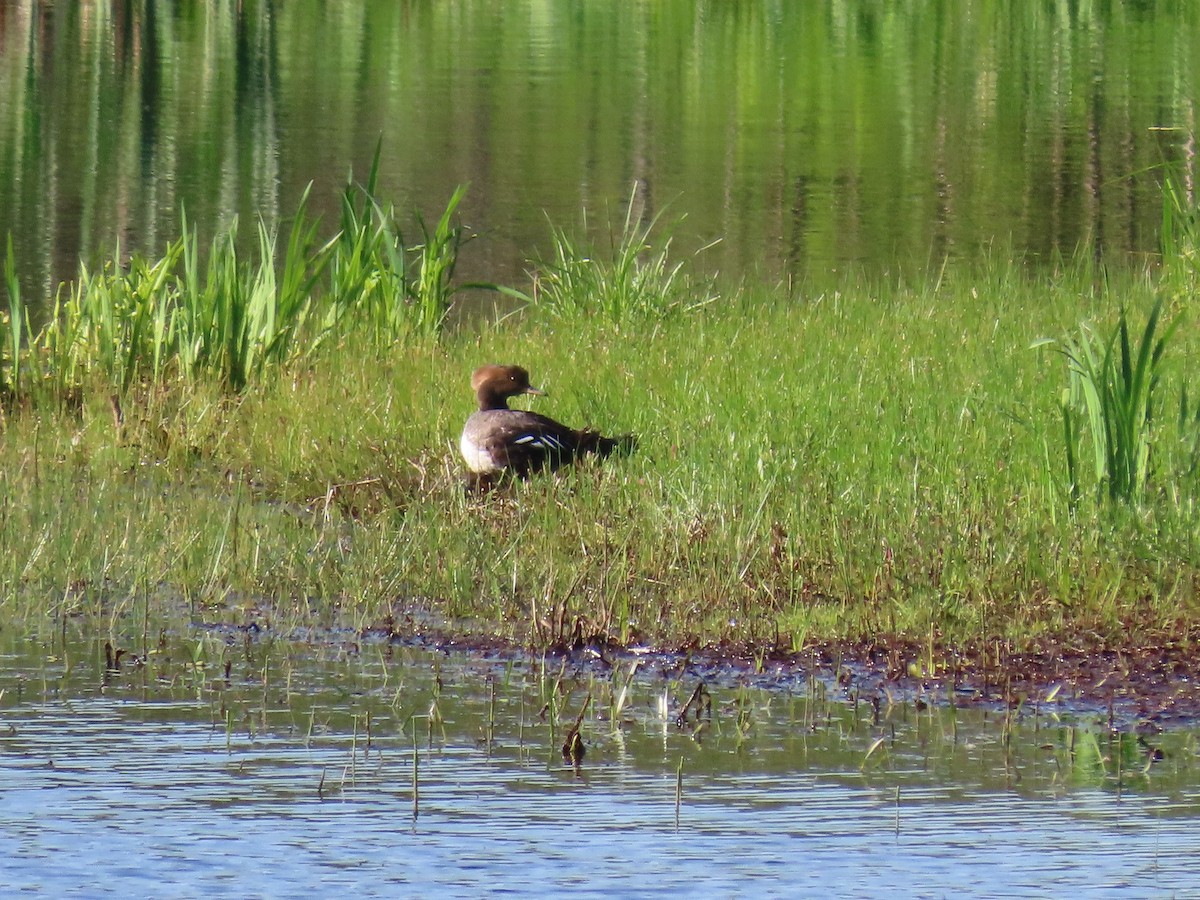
(294, 775)
(806, 137)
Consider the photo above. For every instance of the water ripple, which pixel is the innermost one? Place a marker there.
(173, 796)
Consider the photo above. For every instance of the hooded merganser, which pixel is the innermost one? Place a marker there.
(497, 438)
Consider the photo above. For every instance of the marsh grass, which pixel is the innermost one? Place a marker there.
(1114, 398)
(841, 464)
(1113, 386)
(1179, 237)
(390, 289)
(13, 326)
(633, 280)
(155, 320)
(232, 315)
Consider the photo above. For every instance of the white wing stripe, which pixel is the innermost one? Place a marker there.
(542, 441)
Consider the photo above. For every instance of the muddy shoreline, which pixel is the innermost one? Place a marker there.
(1150, 686)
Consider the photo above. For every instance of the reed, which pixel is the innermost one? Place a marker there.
(1179, 239)
(13, 325)
(678, 791)
(1112, 387)
(235, 317)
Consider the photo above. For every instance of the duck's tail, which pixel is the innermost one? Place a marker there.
(596, 443)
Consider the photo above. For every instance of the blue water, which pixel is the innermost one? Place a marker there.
(138, 789)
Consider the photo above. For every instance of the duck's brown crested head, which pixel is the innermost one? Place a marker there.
(494, 384)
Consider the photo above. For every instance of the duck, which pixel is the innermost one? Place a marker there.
(497, 439)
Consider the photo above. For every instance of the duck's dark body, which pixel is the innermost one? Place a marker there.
(498, 439)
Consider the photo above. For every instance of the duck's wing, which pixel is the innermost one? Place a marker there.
(526, 441)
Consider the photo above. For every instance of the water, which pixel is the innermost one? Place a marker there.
(296, 776)
(805, 138)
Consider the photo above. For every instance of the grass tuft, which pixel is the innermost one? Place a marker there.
(635, 280)
(234, 318)
(13, 325)
(1112, 387)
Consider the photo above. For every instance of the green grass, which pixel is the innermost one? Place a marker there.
(1113, 385)
(880, 459)
(235, 316)
(633, 281)
(13, 326)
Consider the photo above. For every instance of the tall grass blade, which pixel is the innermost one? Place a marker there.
(1113, 385)
(11, 328)
(635, 280)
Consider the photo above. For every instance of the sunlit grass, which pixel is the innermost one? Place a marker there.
(1114, 386)
(230, 315)
(876, 459)
(13, 326)
(634, 279)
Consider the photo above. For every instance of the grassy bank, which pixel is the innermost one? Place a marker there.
(813, 465)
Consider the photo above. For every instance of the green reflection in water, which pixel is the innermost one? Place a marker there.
(806, 136)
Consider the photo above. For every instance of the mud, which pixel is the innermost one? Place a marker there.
(1149, 686)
